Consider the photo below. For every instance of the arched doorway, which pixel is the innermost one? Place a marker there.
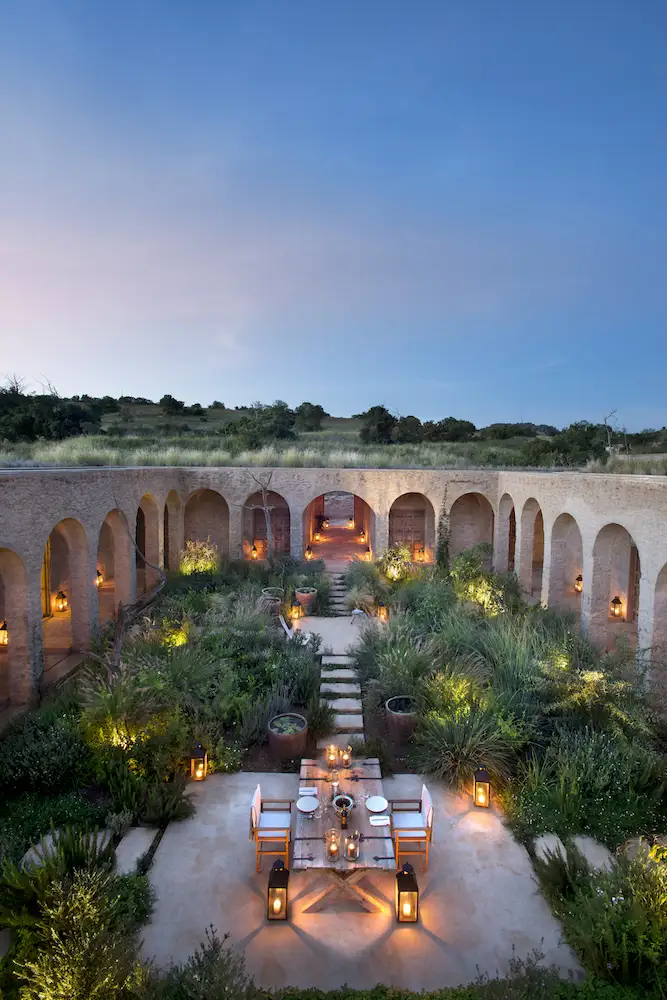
(615, 589)
(531, 554)
(148, 544)
(338, 527)
(114, 554)
(15, 677)
(566, 570)
(470, 523)
(173, 527)
(206, 518)
(256, 529)
(66, 592)
(412, 523)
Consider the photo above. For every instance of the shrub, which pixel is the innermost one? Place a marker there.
(214, 971)
(199, 557)
(26, 819)
(166, 801)
(256, 719)
(41, 754)
(321, 717)
(452, 748)
(226, 757)
(396, 563)
(472, 582)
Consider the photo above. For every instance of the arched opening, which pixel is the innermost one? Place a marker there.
(615, 588)
(412, 523)
(338, 527)
(470, 522)
(505, 540)
(659, 641)
(511, 542)
(147, 538)
(259, 520)
(66, 591)
(566, 571)
(206, 518)
(113, 573)
(172, 540)
(15, 676)
(531, 555)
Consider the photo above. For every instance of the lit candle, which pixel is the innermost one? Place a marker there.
(277, 904)
(407, 909)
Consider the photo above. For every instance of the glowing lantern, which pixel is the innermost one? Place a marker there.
(61, 602)
(421, 552)
(99, 579)
(383, 611)
(616, 607)
(333, 844)
(407, 895)
(367, 553)
(481, 788)
(296, 610)
(352, 845)
(276, 903)
(350, 523)
(325, 522)
(253, 551)
(4, 634)
(346, 757)
(362, 535)
(579, 584)
(317, 535)
(309, 552)
(198, 763)
(332, 755)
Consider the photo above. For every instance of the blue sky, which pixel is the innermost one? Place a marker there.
(447, 207)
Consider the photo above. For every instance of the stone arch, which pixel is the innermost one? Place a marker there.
(172, 528)
(351, 531)
(567, 565)
(530, 557)
(15, 674)
(207, 517)
(412, 522)
(254, 525)
(505, 540)
(147, 538)
(471, 521)
(616, 574)
(65, 570)
(114, 565)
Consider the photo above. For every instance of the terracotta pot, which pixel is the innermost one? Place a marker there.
(288, 746)
(306, 597)
(272, 599)
(401, 717)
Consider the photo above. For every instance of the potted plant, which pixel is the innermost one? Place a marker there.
(288, 735)
(306, 597)
(272, 599)
(401, 717)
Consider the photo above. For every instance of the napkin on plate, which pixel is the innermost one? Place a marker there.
(379, 820)
(307, 790)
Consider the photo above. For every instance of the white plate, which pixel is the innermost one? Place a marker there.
(376, 803)
(308, 804)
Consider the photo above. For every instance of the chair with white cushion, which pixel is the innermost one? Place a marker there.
(412, 826)
(270, 827)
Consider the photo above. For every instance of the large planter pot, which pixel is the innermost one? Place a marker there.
(306, 597)
(288, 736)
(272, 599)
(401, 717)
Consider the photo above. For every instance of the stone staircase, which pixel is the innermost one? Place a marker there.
(340, 687)
(337, 594)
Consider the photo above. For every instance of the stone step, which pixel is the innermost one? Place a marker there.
(136, 842)
(341, 739)
(352, 706)
(341, 690)
(345, 674)
(349, 724)
(339, 659)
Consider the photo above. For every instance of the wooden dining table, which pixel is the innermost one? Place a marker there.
(362, 780)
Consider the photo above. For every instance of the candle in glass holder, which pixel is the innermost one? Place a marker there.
(334, 784)
(333, 845)
(346, 757)
(352, 846)
(332, 755)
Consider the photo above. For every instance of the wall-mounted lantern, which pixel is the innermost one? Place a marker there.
(616, 607)
(481, 788)
(99, 578)
(253, 551)
(276, 901)
(407, 895)
(4, 634)
(61, 603)
(579, 584)
(198, 763)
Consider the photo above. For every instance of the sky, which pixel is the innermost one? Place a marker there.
(454, 207)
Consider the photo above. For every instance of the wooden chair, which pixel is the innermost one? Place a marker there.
(270, 827)
(412, 827)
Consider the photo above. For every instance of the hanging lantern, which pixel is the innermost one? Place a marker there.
(367, 553)
(383, 611)
(332, 840)
(346, 757)
(362, 535)
(99, 579)
(616, 607)
(317, 535)
(61, 602)
(198, 763)
(350, 523)
(276, 902)
(421, 553)
(4, 634)
(309, 552)
(481, 790)
(352, 846)
(295, 611)
(332, 755)
(253, 551)
(579, 584)
(407, 895)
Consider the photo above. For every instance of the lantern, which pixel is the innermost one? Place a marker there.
(99, 579)
(309, 552)
(481, 789)
(198, 763)
(317, 535)
(4, 634)
(362, 535)
(350, 523)
(346, 757)
(332, 840)
(61, 602)
(325, 522)
(295, 611)
(276, 902)
(407, 895)
(616, 607)
(253, 551)
(367, 553)
(383, 611)
(332, 755)
(421, 552)
(579, 584)
(352, 846)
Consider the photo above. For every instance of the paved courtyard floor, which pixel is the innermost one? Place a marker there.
(479, 899)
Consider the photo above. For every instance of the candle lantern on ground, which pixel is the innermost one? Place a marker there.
(325, 522)
(421, 552)
(253, 551)
(309, 552)
(332, 755)
(616, 607)
(198, 763)
(333, 845)
(350, 523)
(407, 895)
(579, 584)
(352, 845)
(317, 535)
(367, 553)
(362, 535)
(481, 791)
(99, 578)
(296, 610)
(61, 602)
(346, 757)
(4, 634)
(276, 908)
(383, 611)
